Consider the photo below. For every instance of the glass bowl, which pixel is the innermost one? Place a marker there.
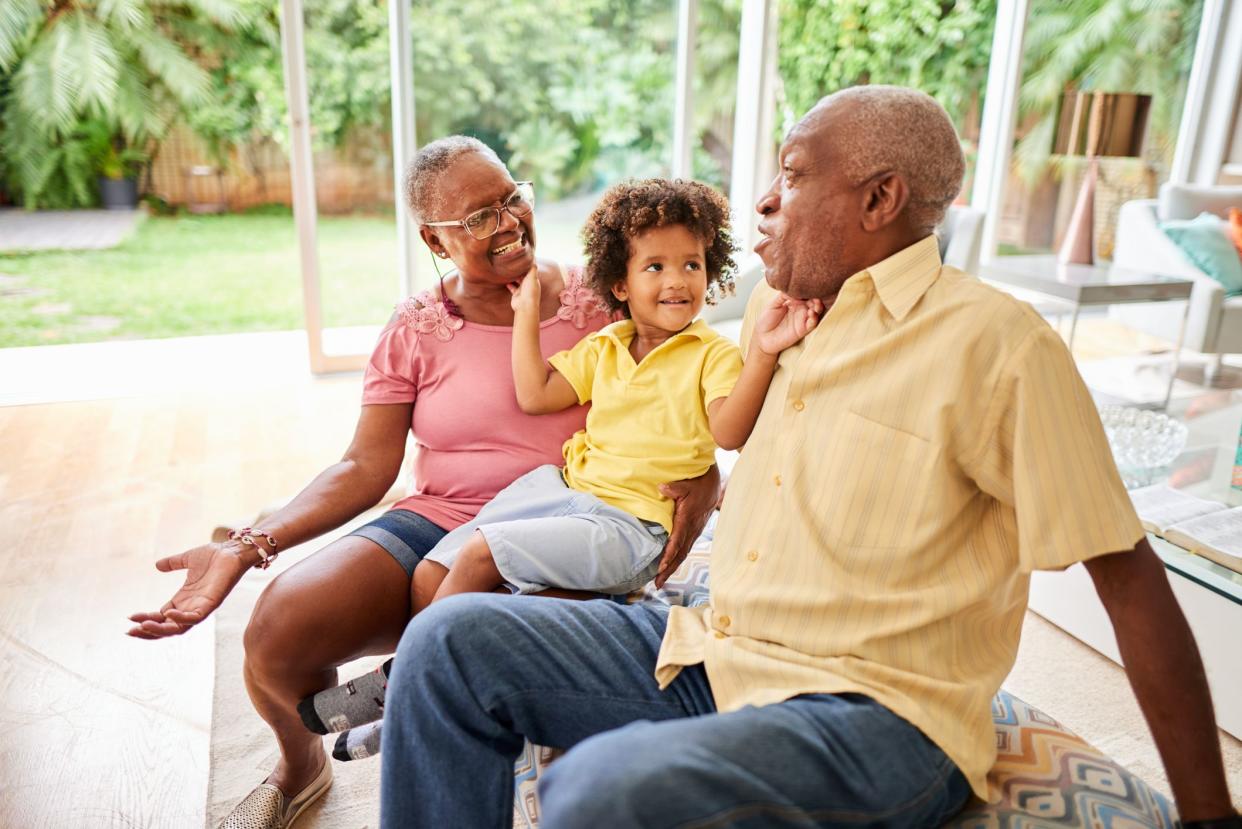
(1144, 443)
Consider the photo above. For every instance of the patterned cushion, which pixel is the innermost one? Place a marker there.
(1044, 776)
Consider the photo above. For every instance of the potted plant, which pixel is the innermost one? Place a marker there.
(118, 167)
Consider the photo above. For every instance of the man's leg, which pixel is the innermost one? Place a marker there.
(475, 674)
(821, 760)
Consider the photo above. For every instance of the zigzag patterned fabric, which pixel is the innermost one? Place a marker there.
(1045, 776)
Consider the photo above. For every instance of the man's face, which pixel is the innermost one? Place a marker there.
(810, 215)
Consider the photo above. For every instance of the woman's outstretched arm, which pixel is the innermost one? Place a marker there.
(342, 491)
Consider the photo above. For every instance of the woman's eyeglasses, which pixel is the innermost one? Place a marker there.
(485, 222)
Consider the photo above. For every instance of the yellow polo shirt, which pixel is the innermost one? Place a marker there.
(918, 455)
(648, 421)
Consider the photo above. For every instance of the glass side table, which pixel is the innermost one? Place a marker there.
(1079, 286)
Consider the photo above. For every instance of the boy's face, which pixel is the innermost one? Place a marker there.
(666, 278)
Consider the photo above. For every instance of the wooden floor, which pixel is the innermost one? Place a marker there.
(97, 729)
(100, 729)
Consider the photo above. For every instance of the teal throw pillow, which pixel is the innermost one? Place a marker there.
(1205, 241)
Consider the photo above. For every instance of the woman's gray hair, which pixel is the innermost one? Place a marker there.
(905, 131)
(423, 193)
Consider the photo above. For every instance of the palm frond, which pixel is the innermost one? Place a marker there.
(96, 61)
(1111, 70)
(124, 15)
(19, 20)
(186, 80)
(45, 84)
(227, 14)
(134, 110)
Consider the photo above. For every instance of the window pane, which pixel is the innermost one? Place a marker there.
(715, 90)
(349, 82)
(572, 94)
(940, 48)
(1104, 46)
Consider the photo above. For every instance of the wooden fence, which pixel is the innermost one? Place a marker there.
(353, 179)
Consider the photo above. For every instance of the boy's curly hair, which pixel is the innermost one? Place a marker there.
(631, 207)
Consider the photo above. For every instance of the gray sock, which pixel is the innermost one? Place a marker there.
(360, 742)
(351, 704)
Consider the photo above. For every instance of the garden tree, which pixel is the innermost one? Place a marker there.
(574, 92)
(1108, 45)
(76, 70)
(939, 46)
(346, 43)
(571, 92)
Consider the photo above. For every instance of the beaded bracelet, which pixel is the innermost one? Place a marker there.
(246, 535)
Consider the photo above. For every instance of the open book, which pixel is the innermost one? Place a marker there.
(1206, 528)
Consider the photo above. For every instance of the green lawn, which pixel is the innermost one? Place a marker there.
(191, 275)
(188, 275)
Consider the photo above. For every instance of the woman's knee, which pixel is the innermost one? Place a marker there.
(277, 633)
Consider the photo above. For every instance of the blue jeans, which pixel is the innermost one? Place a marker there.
(405, 535)
(476, 674)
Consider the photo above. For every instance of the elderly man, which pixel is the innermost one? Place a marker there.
(918, 455)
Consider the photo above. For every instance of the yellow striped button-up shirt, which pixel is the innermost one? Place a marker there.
(918, 455)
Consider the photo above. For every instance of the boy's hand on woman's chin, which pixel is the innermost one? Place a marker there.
(526, 294)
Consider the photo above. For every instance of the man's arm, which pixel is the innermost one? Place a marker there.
(1164, 668)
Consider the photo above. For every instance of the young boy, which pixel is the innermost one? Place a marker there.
(665, 391)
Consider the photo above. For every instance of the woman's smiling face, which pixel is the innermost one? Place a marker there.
(666, 278)
(472, 183)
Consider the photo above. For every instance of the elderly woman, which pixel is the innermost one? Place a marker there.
(441, 369)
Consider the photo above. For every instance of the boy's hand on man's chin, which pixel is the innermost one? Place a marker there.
(784, 322)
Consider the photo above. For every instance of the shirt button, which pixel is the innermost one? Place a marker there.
(724, 621)
(798, 405)
(753, 555)
(719, 635)
(776, 479)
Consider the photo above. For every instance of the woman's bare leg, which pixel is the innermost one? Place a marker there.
(428, 576)
(350, 599)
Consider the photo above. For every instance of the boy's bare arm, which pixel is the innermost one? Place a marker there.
(732, 418)
(784, 322)
(540, 389)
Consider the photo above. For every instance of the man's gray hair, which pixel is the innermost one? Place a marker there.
(423, 192)
(905, 131)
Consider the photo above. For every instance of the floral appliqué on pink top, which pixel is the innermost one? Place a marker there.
(428, 315)
(578, 302)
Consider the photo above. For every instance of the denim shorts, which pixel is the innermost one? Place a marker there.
(543, 534)
(406, 535)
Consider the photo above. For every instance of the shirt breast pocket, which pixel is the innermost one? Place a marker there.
(876, 485)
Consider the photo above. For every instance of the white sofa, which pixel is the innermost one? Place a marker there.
(1215, 322)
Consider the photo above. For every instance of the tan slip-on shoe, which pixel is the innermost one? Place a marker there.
(267, 807)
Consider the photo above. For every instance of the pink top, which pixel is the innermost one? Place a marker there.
(472, 438)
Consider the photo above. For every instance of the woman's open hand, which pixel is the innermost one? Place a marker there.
(526, 294)
(786, 321)
(212, 571)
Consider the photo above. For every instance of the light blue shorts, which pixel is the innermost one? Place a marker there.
(544, 534)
